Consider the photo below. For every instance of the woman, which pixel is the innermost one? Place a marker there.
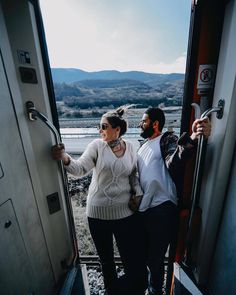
(113, 161)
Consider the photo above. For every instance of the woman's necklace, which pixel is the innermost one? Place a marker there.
(114, 143)
(117, 147)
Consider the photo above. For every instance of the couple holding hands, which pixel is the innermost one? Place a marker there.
(133, 196)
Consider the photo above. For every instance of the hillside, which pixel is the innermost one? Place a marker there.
(111, 89)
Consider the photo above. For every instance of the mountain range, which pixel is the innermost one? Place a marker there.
(70, 75)
(76, 89)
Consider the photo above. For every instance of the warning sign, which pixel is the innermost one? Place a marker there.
(206, 77)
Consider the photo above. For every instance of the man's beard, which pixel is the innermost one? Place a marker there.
(147, 132)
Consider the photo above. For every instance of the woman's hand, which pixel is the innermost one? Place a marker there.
(134, 202)
(58, 153)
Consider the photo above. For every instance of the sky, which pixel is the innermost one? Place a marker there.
(123, 35)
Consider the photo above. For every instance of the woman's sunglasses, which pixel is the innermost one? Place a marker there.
(103, 126)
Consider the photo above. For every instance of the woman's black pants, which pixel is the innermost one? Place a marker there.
(129, 239)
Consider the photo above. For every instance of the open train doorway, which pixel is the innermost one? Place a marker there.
(100, 71)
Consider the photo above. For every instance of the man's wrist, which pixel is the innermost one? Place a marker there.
(193, 137)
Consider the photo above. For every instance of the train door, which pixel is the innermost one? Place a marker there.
(218, 187)
(36, 236)
(25, 266)
(222, 274)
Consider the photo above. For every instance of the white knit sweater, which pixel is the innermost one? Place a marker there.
(112, 181)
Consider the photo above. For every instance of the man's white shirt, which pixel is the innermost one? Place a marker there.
(155, 180)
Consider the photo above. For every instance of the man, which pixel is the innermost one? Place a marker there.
(161, 159)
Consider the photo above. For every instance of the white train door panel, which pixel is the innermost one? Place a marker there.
(25, 266)
(220, 151)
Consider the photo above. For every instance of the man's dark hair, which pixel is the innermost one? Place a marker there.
(156, 114)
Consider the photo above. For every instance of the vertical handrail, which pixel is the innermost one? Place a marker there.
(33, 114)
(197, 178)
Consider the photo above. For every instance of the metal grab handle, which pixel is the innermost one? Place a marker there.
(33, 114)
(197, 176)
(218, 110)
